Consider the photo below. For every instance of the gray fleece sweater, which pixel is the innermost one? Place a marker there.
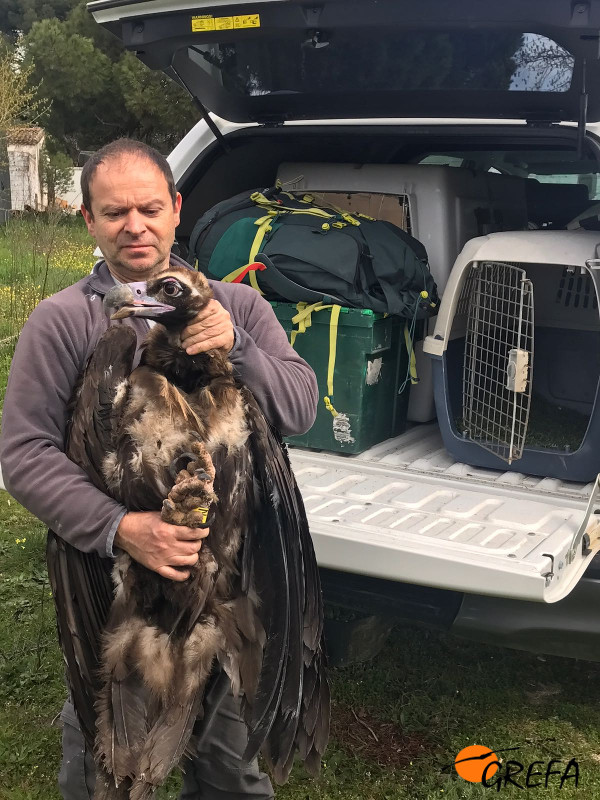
(52, 351)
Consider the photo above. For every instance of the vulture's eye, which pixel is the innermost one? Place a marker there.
(172, 288)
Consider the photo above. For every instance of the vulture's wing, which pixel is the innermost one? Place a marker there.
(82, 589)
(81, 582)
(288, 710)
(95, 414)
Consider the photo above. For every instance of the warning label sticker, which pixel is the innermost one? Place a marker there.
(200, 24)
(223, 23)
(205, 23)
(247, 21)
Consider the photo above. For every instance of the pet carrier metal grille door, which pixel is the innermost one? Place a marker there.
(498, 362)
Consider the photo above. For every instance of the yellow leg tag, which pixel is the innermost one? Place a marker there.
(203, 511)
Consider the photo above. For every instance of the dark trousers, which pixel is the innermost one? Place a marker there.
(215, 773)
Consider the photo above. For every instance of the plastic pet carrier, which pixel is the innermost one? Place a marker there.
(516, 354)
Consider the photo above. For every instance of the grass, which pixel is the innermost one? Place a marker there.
(398, 722)
(39, 255)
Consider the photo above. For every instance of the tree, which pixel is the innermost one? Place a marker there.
(162, 110)
(98, 91)
(17, 16)
(76, 78)
(57, 174)
(18, 95)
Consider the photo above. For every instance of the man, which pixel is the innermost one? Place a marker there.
(131, 208)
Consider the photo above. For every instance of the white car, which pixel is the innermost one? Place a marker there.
(410, 99)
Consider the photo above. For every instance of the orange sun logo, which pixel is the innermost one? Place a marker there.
(472, 761)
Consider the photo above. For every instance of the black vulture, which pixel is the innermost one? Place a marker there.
(178, 433)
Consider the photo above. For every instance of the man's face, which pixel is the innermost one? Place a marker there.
(133, 218)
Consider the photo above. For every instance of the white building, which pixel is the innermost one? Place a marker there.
(24, 146)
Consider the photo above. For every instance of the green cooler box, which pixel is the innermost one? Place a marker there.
(361, 363)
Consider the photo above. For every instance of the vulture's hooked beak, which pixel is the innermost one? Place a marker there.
(131, 300)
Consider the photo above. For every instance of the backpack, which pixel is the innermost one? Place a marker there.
(293, 250)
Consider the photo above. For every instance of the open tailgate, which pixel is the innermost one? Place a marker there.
(406, 511)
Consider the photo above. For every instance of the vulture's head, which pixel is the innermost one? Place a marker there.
(173, 298)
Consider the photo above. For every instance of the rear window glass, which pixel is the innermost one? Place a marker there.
(544, 166)
(402, 61)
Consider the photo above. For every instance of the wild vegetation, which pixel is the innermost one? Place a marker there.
(39, 255)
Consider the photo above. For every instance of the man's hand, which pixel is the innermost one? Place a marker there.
(158, 545)
(211, 329)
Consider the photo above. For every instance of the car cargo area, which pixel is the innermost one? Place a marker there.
(251, 157)
(405, 509)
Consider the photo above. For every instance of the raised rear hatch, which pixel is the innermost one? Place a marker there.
(336, 59)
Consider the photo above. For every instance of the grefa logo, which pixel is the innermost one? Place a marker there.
(479, 764)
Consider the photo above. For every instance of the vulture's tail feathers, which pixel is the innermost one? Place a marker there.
(165, 746)
(129, 710)
(157, 684)
(106, 789)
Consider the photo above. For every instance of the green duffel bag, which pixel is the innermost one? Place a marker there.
(293, 250)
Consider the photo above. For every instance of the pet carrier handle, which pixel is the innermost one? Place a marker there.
(293, 292)
(517, 370)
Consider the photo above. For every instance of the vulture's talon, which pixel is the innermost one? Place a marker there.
(181, 463)
(202, 475)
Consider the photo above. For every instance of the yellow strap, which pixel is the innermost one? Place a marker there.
(264, 226)
(316, 210)
(261, 200)
(329, 407)
(346, 215)
(333, 329)
(254, 282)
(233, 275)
(303, 319)
(414, 378)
